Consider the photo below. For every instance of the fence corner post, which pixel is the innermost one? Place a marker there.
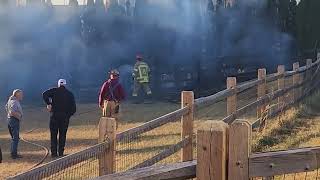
(107, 132)
(232, 100)
(239, 150)
(187, 100)
(212, 150)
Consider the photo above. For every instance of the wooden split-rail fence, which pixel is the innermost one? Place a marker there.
(222, 148)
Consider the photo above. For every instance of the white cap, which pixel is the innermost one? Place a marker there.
(62, 82)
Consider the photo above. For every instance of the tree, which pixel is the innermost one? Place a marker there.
(308, 25)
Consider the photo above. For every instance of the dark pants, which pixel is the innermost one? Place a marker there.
(58, 125)
(14, 128)
(0, 155)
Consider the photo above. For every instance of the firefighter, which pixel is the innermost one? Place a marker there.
(141, 76)
(111, 95)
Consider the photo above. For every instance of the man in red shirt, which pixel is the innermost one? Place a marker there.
(111, 95)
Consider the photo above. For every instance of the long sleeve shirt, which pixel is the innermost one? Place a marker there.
(111, 90)
(61, 99)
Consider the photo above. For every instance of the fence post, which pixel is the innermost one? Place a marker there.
(239, 150)
(107, 132)
(309, 71)
(187, 100)
(212, 146)
(231, 100)
(281, 85)
(295, 81)
(262, 73)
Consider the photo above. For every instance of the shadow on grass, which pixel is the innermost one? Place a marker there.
(28, 157)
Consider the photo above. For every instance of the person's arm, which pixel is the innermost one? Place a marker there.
(17, 115)
(102, 94)
(73, 105)
(47, 95)
(135, 71)
(13, 110)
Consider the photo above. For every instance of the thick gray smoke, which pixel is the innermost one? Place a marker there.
(42, 44)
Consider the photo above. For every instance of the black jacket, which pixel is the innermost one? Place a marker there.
(62, 101)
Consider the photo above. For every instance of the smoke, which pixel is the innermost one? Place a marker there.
(41, 44)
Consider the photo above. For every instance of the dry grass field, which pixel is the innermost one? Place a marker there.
(83, 133)
(299, 122)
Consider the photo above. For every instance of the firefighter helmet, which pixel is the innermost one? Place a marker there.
(139, 57)
(114, 72)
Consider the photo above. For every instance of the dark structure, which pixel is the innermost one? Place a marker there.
(187, 43)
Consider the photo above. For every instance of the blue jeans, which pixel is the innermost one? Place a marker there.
(14, 128)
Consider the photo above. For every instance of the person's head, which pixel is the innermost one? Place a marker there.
(17, 93)
(139, 57)
(114, 74)
(62, 82)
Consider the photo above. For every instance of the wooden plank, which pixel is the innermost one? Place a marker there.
(64, 162)
(273, 77)
(290, 73)
(231, 100)
(176, 171)
(283, 162)
(249, 84)
(187, 100)
(281, 85)
(219, 96)
(107, 131)
(170, 117)
(164, 154)
(239, 150)
(212, 151)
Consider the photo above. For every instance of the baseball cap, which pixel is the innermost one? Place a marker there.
(62, 82)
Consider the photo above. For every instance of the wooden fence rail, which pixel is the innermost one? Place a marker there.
(188, 105)
(235, 156)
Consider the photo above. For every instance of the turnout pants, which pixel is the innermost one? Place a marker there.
(58, 128)
(137, 86)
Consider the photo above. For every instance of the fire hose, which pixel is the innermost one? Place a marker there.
(38, 145)
(46, 150)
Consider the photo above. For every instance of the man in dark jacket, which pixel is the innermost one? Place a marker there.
(61, 105)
